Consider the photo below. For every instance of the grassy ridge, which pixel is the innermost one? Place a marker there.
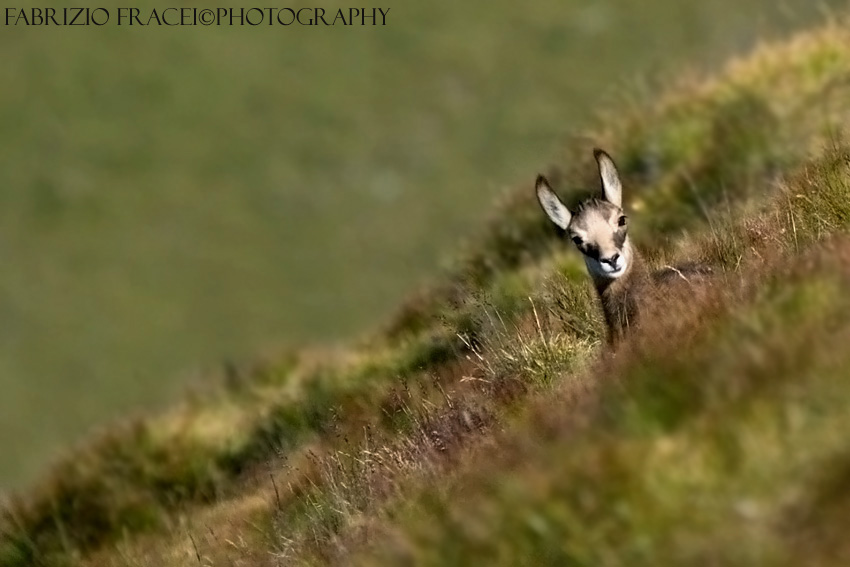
(483, 423)
(717, 435)
(170, 197)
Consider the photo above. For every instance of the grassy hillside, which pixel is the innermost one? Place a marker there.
(170, 198)
(488, 424)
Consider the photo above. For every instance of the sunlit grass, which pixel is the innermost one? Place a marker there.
(487, 424)
(170, 198)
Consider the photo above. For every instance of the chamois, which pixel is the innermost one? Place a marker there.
(599, 229)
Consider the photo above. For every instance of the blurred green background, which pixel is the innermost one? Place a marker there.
(173, 197)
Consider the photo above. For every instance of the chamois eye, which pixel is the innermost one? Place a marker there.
(622, 221)
(578, 240)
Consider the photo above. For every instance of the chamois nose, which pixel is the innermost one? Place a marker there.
(612, 261)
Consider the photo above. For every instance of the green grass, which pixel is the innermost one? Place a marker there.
(716, 448)
(172, 198)
(487, 422)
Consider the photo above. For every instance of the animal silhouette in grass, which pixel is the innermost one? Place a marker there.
(599, 228)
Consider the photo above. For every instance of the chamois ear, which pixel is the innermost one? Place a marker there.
(557, 212)
(612, 189)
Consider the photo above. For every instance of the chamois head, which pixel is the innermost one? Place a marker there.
(598, 227)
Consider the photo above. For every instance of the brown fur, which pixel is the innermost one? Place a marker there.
(619, 298)
(599, 229)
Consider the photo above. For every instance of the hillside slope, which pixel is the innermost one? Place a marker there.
(487, 424)
(236, 188)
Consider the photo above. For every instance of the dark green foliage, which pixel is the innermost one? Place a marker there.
(121, 485)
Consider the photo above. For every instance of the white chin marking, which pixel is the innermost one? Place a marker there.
(613, 273)
(605, 270)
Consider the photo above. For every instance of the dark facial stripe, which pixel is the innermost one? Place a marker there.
(619, 238)
(591, 250)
